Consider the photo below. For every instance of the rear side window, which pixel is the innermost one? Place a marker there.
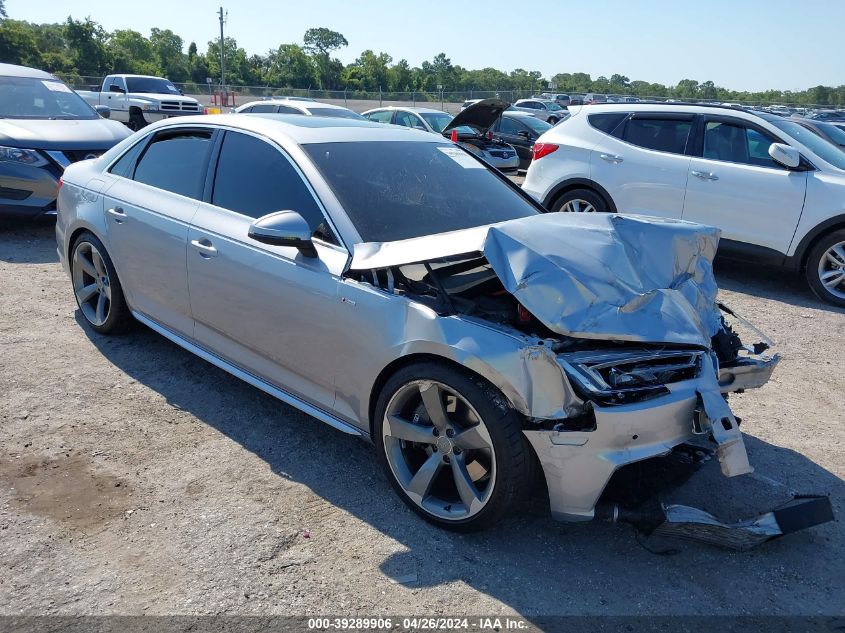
(609, 122)
(254, 178)
(380, 117)
(176, 162)
(663, 135)
(263, 107)
(125, 165)
(283, 109)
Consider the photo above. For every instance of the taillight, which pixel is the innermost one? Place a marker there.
(543, 149)
(61, 182)
(489, 135)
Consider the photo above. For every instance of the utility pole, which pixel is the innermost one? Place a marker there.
(222, 57)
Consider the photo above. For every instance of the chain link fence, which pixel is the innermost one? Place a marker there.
(360, 100)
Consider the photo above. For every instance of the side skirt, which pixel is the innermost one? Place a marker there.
(237, 372)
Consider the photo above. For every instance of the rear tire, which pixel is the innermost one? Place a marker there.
(473, 426)
(580, 201)
(97, 288)
(825, 270)
(553, 120)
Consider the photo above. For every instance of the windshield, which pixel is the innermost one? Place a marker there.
(395, 190)
(31, 98)
(825, 150)
(834, 133)
(337, 113)
(437, 120)
(152, 85)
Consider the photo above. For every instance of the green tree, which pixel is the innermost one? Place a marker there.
(167, 47)
(3, 9)
(290, 66)
(18, 44)
(131, 52)
(400, 77)
(86, 42)
(320, 42)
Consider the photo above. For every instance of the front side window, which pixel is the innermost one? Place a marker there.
(177, 162)
(437, 120)
(335, 113)
(394, 190)
(254, 178)
(737, 144)
(509, 126)
(283, 109)
(662, 135)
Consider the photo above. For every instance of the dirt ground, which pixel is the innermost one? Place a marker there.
(136, 478)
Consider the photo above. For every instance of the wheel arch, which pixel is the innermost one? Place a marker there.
(578, 183)
(422, 357)
(798, 261)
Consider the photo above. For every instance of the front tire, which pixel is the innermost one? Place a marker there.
(452, 447)
(826, 268)
(136, 121)
(580, 201)
(96, 287)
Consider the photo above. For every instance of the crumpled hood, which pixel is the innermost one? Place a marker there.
(611, 277)
(60, 134)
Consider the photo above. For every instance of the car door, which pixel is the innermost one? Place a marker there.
(642, 162)
(117, 101)
(266, 309)
(156, 190)
(736, 186)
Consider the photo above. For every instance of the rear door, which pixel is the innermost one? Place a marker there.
(642, 161)
(156, 191)
(736, 186)
(266, 309)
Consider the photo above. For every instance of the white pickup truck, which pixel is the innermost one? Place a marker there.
(138, 100)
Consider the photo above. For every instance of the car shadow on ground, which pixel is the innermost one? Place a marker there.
(530, 563)
(769, 283)
(38, 235)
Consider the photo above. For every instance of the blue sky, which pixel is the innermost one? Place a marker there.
(739, 44)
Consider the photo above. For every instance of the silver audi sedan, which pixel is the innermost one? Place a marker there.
(394, 286)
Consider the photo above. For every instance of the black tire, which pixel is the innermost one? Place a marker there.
(587, 195)
(136, 121)
(553, 120)
(514, 459)
(118, 317)
(818, 257)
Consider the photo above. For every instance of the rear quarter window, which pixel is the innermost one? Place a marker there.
(608, 122)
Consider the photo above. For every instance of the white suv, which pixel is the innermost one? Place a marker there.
(774, 188)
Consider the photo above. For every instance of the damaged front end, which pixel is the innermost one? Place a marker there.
(624, 309)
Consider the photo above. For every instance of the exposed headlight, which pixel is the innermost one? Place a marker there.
(149, 106)
(619, 377)
(22, 155)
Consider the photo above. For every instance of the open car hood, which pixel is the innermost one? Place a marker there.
(597, 276)
(479, 115)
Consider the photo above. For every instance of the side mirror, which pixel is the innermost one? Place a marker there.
(785, 155)
(103, 110)
(113, 88)
(284, 228)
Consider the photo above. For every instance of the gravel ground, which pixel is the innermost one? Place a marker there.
(137, 479)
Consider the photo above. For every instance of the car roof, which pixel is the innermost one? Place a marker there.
(518, 113)
(303, 130)
(406, 109)
(294, 102)
(13, 70)
(694, 108)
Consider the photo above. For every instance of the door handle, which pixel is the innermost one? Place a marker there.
(118, 214)
(705, 175)
(611, 158)
(205, 247)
